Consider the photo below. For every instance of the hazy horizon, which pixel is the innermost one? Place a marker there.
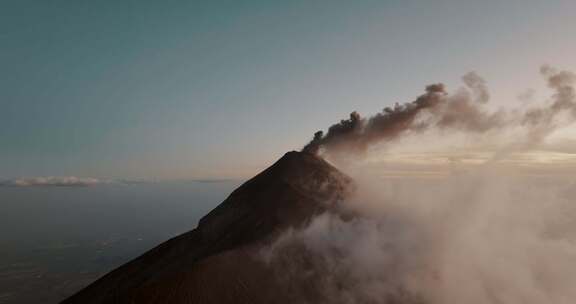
(56, 240)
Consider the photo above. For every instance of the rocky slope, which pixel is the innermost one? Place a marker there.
(219, 262)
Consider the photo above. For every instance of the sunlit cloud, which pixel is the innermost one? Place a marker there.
(54, 181)
(68, 181)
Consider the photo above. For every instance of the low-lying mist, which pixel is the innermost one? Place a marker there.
(477, 237)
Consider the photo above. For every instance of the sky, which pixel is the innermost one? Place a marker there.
(220, 89)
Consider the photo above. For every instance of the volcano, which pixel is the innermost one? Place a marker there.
(218, 261)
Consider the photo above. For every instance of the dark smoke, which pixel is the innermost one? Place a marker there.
(542, 120)
(478, 86)
(357, 133)
(464, 111)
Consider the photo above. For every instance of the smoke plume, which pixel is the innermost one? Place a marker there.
(476, 228)
(464, 110)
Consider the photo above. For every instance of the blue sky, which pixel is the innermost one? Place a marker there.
(216, 89)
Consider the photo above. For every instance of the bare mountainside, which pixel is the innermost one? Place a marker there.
(219, 261)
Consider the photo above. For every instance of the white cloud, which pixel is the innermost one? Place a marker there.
(56, 181)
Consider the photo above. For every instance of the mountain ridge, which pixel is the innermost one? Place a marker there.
(286, 195)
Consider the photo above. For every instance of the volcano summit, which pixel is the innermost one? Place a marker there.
(219, 261)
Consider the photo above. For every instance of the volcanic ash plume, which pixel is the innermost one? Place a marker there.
(484, 233)
(464, 111)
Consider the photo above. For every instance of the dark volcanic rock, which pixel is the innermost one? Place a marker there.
(217, 261)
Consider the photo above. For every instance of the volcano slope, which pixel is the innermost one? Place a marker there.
(218, 262)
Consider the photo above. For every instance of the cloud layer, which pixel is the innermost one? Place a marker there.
(478, 238)
(54, 181)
